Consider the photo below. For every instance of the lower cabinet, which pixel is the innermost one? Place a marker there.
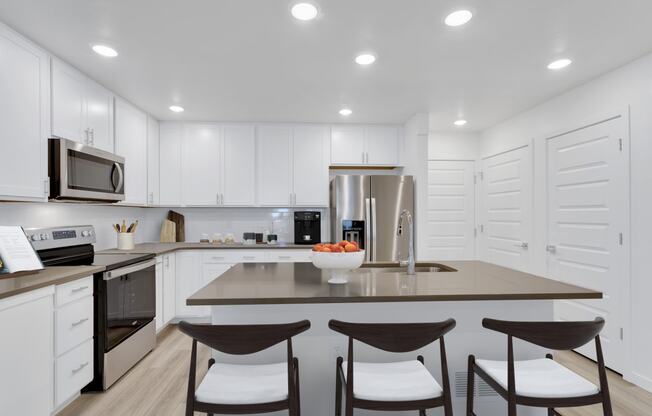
(26, 366)
(188, 281)
(165, 290)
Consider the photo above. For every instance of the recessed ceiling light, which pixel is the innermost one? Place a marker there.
(346, 112)
(559, 63)
(365, 59)
(460, 122)
(458, 18)
(176, 108)
(304, 11)
(105, 51)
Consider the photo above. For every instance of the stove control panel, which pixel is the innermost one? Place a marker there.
(56, 237)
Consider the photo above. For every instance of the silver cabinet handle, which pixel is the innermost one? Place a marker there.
(522, 245)
(78, 289)
(81, 367)
(551, 249)
(167, 261)
(92, 131)
(362, 157)
(81, 321)
(248, 257)
(87, 139)
(366, 157)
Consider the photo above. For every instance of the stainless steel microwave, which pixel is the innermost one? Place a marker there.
(79, 172)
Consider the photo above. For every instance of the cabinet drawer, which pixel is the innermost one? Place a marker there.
(73, 371)
(74, 290)
(218, 256)
(250, 256)
(289, 256)
(73, 324)
(234, 256)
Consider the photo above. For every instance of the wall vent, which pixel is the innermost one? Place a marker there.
(482, 389)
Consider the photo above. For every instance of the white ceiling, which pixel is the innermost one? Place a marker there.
(239, 60)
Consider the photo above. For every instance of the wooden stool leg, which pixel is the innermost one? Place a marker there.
(470, 386)
(338, 387)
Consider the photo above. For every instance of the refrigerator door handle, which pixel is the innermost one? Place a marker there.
(367, 229)
(373, 229)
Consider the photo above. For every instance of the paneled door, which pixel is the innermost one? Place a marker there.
(587, 211)
(451, 210)
(506, 213)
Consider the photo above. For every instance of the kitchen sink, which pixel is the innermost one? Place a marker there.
(421, 267)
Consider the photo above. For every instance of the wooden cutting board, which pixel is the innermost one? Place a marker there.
(168, 232)
(180, 222)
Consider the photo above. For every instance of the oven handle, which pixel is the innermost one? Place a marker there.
(130, 269)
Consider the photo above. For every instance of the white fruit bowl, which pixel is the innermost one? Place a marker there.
(338, 263)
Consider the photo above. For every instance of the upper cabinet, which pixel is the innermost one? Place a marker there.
(24, 117)
(153, 189)
(293, 165)
(131, 143)
(170, 139)
(365, 146)
(82, 110)
(201, 160)
(238, 173)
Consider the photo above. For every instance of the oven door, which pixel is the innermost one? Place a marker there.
(130, 301)
(85, 173)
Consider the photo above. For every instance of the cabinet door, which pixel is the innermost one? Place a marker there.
(310, 166)
(274, 166)
(381, 145)
(347, 145)
(239, 143)
(169, 287)
(201, 164)
(131, 143)
(99, 116)
(68, 104)
(26, 362)
(152, 161)
(24, 117)
(209, 273)
(170, 163)
(188, 281)
(159, 294)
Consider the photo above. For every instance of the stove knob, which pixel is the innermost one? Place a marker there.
(86, 233)
(35, 237)
(44, 236)
(90, 232)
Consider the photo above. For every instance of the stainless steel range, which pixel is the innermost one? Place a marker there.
(125, 297)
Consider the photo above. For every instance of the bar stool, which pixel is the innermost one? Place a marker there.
(398, 386)
(239, 389)
(542, 382)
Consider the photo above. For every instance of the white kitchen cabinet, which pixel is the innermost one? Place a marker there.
(201, 160)
(347, 145)
(364, 146)
(310, 166)
(188, 281)
(24, 117)
(153, 196)
(238, 167)
(170, 140)
(82, 110)
(289, 256)
(159, 293)
(381, 145)
(169, 287)
(274, 165)
(26, 362)
(131, 143)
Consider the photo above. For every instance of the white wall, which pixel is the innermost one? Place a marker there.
(454, 146)
(629, 87)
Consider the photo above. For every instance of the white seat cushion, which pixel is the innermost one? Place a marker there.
(542, 378)
(244, 384)
(402, 381)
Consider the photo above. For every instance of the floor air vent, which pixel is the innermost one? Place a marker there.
(482, 389)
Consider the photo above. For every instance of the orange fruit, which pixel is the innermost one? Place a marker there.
(350, 248)
(325, 250)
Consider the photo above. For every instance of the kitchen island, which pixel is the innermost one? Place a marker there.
(464, 290)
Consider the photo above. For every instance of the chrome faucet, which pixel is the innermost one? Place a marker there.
(411, 266)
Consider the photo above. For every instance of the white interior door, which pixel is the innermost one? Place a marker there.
(506, 214)
(451, 211)
(587, 210)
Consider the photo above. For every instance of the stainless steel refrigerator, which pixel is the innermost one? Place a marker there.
(366, 209)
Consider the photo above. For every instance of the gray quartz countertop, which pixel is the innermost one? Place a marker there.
(11, 285)
(300, 283)
(162, 248)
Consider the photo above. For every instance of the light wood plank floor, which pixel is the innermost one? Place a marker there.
(157, 385)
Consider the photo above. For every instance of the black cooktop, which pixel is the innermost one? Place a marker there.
(115, 261)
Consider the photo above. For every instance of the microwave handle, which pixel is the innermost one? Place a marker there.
(121, 177)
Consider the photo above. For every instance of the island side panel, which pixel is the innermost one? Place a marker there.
(318, 348)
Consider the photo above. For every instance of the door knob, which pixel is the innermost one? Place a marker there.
(551, 249)
(522, 244)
